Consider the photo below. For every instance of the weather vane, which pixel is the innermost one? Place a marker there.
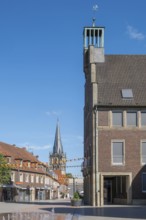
(95, 8)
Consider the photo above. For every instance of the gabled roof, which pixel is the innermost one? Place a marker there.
(16, 152)
(122, 72)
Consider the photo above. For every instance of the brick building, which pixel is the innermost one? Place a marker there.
(114, 124)
(30, 178)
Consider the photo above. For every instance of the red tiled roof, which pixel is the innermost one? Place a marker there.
(62, 178)
(17, 152)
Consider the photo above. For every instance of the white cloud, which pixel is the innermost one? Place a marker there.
(31, 147)
(134, 33)
(53, 113)
(39, 147)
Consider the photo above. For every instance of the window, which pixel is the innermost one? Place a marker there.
(37, 178)
(143, 118)
(21, 177)
(41, 179)
(118, 153)
(117, 119)
(131, 118)
(143, 182)
(8, 159)
(127, 94)
(21, 163)
(12, 176)
(143, 152)
(27, 177)
(32, 178)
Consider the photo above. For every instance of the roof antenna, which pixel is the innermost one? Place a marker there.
(95, 8)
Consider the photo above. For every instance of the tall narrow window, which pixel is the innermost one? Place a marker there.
(21, 163)
(143, 182)
(29, 164)
(143, 152)
(26, 177)
(143, 118)
(131, 118)
(32, 178)
(13, 176)
(21, 177)
(118, 153)
(37, 178)
(117, 119)
(41, 179)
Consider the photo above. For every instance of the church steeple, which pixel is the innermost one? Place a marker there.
(57, 148)
(58, 157)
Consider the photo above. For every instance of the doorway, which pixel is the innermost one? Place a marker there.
(107, 191)
(115, 188)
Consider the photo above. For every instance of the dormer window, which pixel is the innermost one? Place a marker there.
(21, 163)
(127, 93)
(29, 164)
(8, 159)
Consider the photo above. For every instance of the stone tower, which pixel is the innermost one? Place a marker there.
(58, 157)
(93, 52)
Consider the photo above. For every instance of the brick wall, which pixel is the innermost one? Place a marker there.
(132, 138)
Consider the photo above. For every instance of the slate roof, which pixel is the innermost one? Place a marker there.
(122, 72)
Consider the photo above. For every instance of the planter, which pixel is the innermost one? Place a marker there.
(76, 202)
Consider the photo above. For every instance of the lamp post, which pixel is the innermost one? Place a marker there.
(74, 185)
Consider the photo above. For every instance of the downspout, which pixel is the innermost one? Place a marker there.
(96, 157)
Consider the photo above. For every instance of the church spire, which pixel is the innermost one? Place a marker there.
(57, 148)
(57, 159)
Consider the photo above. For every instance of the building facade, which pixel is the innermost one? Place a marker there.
(30, 178)
(114, 124)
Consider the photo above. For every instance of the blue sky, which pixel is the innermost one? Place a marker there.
(41, 66)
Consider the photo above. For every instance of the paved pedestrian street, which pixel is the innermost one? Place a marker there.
(62, 210)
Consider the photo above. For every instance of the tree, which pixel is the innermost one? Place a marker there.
(69, 175)
(5, 175)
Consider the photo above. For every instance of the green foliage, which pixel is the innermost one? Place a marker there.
(5, 176)
(76, 196)
(69, 175)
